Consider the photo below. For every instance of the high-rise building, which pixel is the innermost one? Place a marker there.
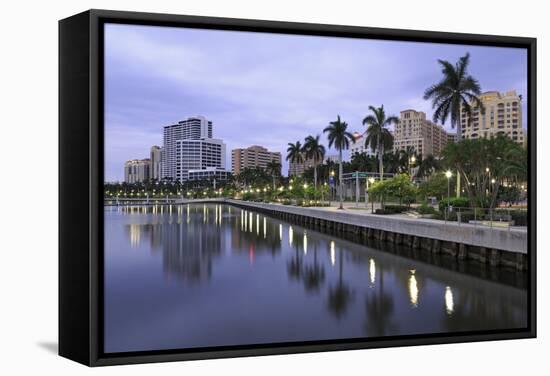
(190, 152)
(203, 154)
(451, 137)
(358, 145)
(156, 162)
(502, 115)
(299, 168)
(137, 170)
(193, 128)
(414, 130)
(253, 156)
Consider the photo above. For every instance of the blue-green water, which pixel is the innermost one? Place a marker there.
(205, 275)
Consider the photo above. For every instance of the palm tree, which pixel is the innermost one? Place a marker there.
(295, 153)
(378, 135)
(274, 169)
(339, 136)
(314, 150)
(427, 166)
(408, 155)
(456, 91)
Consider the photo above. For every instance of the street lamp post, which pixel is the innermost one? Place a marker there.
(412, 160)
(369, 180)
(356, 189)
(448, 174)
(331, 195)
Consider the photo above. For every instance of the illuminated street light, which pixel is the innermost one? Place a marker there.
(448, 174)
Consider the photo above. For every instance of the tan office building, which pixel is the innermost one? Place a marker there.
(300, 168)
(502, 116)
(253, 156)
(137, 170)
(414, 130)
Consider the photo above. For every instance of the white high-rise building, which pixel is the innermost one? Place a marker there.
(194, 155)
(190, 152)
(193, 128)
(358, 145)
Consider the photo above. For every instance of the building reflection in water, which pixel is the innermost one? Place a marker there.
(262, 240)
(135, 234)
(358, 285)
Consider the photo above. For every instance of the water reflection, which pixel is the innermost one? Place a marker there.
(413, 289)
(449, 302)
(339, 296)
(209, 275)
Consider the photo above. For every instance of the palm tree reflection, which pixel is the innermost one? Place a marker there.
(379, 308)
(339, 296)
(314, 275)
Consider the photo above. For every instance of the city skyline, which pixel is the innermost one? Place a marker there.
(274, 90)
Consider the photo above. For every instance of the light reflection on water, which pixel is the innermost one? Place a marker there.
(226, 276)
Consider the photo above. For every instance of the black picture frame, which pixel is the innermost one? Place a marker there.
(81, 179)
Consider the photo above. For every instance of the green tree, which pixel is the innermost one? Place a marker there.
(339, 137)
(399, 187)
(274, 169)
(434, 186)
(379, 137)
(406, 158)
(485, 164)
(315, 151)
(295, 152)
(362, 162)
(428, 166)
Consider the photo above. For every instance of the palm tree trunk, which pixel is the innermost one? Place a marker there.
(340, 172)
(381, 161)
(315, 174)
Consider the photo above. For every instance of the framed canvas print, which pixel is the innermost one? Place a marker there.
(235, 187)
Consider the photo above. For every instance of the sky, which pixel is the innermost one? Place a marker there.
(271, 89)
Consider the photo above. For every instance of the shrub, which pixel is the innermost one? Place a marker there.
(426, 209)
(392, 209)
(459, 202)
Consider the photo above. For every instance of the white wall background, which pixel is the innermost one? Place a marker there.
(28, 235)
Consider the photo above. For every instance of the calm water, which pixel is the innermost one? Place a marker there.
(214, 275)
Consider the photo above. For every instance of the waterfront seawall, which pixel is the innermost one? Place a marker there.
(484, 244)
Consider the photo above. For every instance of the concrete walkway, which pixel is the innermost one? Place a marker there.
(507, 239)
